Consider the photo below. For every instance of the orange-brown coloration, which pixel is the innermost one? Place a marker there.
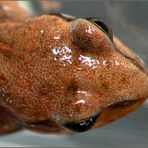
(56, 71)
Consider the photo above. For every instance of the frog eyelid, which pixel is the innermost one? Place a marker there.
(102, 25)
(98, 22)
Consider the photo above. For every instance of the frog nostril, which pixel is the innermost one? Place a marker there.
(82, 125)
(71, 90)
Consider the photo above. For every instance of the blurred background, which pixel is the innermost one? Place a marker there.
(129, 21)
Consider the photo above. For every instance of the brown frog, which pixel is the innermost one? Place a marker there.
(60, 74)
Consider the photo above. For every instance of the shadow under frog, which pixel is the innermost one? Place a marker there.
(60, 74)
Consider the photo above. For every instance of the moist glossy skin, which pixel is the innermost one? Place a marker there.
(56, 73)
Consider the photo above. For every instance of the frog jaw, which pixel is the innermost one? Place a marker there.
(116, 111)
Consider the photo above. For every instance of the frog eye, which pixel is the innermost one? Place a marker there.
(82, 125)
(102, 25)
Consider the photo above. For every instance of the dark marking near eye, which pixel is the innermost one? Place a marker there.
(103, 25)
(123, 104)
(81, 126)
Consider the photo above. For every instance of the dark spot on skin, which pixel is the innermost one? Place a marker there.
(82, 125)
(45, 89)
(71, 90)
(101, 76)
(124, 80)
(105, 86)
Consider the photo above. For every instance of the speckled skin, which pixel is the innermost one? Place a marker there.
(54, 71)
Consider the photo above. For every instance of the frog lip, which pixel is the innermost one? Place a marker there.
(73, 126)
(49, 125)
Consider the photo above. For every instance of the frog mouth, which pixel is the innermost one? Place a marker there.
(107, 115)
(45, 126)
(116, 111)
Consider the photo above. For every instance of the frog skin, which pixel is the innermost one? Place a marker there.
(60, 74)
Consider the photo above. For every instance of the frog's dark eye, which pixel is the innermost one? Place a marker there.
(81, 126)
(103, 25)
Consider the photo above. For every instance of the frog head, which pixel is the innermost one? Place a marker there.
(71, 71)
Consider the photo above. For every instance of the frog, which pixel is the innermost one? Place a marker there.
(61, 75)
